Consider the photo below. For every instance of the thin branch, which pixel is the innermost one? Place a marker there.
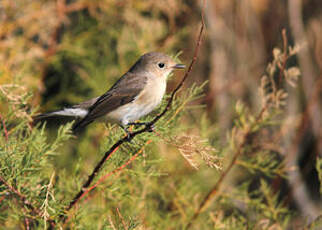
(111, 223)
(107, 155)
(45, 204)
(119, 169)
(213, 192)
(285, 56)
(147, 128)
(103, 178)
(121, 217)
(24, 200)
(21, 197)
(245, 139)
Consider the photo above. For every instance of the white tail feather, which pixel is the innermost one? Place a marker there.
(73, 112)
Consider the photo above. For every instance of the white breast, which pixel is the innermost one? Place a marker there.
(143, 104)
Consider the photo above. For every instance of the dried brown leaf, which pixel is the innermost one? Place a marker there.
(196, 150)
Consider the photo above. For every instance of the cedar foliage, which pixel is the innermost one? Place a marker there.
(57, 53)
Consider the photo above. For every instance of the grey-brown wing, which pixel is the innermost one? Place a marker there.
(86, 104)
(122, 92)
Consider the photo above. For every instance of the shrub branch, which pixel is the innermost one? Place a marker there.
(117, 170)
(147, 127)
(244, 141)
(25, 202)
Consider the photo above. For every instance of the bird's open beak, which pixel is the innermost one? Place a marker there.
(179, 66)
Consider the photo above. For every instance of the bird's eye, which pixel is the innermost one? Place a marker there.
(161, 65)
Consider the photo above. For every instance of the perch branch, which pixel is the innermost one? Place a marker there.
(147, 127)
(117, 170)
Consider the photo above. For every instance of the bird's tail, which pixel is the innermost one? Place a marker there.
(81, 124)
(67, 112)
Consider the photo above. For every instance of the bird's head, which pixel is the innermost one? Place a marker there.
(157, 64)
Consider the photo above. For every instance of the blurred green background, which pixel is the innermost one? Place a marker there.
(66, 51)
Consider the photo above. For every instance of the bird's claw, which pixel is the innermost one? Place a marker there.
(150, 127)
(128, 136)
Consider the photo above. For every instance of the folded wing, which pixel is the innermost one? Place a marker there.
(122, 92)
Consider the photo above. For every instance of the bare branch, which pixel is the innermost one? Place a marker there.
(244, 140)
(147, 128)
(103, 178)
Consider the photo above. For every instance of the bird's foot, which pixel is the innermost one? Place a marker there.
(146, 124)
(129, 137)
(128, 133)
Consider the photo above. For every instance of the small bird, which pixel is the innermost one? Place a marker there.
(137, 93)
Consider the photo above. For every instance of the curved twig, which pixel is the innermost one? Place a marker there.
(147, 128)
(239, 151)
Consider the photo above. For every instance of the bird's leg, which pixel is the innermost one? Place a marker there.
(148, 124)
(128, 133)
